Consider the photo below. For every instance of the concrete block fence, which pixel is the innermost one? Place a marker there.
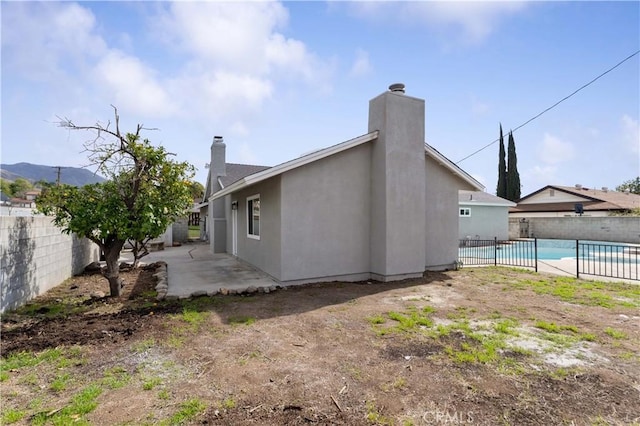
(620, 229)
(35, 257)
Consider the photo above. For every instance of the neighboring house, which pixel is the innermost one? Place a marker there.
(31, 195)
(21, 202)
(560, 201)
(483, 216)
(28, 201)
(380, 206)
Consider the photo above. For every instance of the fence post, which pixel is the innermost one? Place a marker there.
(495, 251)
(535, 249)
(577, 259)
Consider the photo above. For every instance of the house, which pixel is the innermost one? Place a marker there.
(379, 206)
(561, 201)
(483, 216)
(232, 173)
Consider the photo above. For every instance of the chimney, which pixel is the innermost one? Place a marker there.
(605, 189)
(578, 186)
(397, 171)
(397, 88)
(218, 165)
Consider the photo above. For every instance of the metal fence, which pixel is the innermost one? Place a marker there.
(521, 253)
(608, 260)
(591, 258)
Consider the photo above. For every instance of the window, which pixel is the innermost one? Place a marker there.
(253, 216)
(465, 212)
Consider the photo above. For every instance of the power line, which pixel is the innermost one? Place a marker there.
(556, 104)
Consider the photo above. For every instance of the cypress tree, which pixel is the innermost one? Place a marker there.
(513, 177)
(501, 190)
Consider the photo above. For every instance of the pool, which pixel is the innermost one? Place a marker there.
(548, 249)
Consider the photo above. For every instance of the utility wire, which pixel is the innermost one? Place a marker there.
(556, 104)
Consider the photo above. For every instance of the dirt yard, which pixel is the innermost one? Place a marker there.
(481, 346)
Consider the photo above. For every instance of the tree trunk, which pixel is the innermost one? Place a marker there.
(112, 254)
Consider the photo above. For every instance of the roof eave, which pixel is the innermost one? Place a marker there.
(293, 164)
(456, 170)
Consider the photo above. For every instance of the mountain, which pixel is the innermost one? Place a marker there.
(34, 172)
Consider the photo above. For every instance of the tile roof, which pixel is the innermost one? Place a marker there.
(594, 199)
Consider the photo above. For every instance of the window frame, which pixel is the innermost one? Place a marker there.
(464, 211)
(250, 217)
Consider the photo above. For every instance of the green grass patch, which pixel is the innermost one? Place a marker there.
(80, 404)
(506, 326)
(11, 415)
(188, 411)
(590, 293)
(376, 319)
(411, 321)
(60, 382)
(241, 320)
(150, 383)
(116, 378)
(374, 416)
(228, 403)
(616, 334)
(552, 327)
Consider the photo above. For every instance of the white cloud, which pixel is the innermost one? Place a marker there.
(555, 150)
(240, 38)
(361, 66)
(132, 85)
(631, 133)
(40, 40)
(471, 21)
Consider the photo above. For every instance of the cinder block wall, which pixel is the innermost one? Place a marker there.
(35, 257)
(621, 229)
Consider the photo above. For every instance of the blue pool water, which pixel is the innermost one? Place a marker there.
(547, 250)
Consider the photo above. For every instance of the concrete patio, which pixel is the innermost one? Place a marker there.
(194, 271)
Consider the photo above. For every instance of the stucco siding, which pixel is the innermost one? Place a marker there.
(263, 253)
(325, 217)
(441, 215)
(485, 222)
(397, 176)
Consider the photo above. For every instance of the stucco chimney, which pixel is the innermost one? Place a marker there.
(218, 154)
(397, 173)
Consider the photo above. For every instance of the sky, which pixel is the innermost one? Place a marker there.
(281, 79)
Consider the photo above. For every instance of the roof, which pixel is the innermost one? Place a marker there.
(479, 198)
(453, 167)
(293, 164)
(235, 172)
(594, 199)
(320, 154)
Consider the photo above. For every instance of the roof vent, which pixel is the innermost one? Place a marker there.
(397, 88)
(605, 189)
(578, 186)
